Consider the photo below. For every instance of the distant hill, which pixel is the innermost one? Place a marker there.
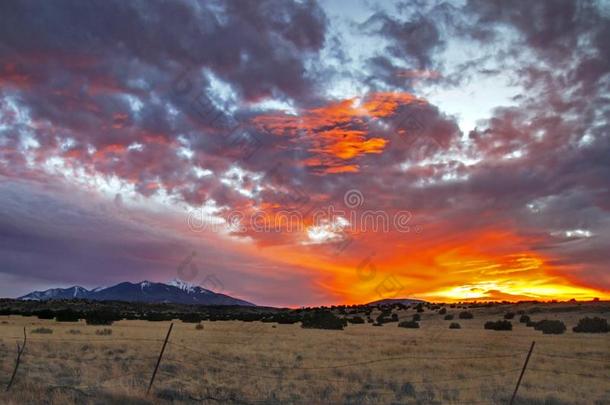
(390, 301)
(176, 292)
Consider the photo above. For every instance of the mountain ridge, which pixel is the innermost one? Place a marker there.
(175, 291)
(391, 301)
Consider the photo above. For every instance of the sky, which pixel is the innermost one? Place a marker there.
(300, 153)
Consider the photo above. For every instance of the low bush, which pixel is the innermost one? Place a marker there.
(74, 331)
(409, 324)
(286, 318)
(449, 317)
(323, 320)
(407, 389)
(45, 331)
(442, 311)
(550, 327)
(355, 320)
(67, 315)
(524, 319)
(416, 317)
(44, 314)
(592, 325)
(158, 316)
(104, 332)
(384, 318)
(465, 315)
(101, 317)
(190, 317)
(199, 326)
(509, 315)
(499, 325)
(455, 325)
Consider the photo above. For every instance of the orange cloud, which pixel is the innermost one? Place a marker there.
(338, 131)
(480, 265)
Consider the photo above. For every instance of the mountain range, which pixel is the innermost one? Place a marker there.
(176, 291)
(392, 301)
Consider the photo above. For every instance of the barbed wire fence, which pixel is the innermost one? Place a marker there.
(247, 371)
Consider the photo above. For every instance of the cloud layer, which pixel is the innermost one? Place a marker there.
(226, 111)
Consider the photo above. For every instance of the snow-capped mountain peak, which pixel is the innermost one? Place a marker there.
(183, 285)
(176, 291)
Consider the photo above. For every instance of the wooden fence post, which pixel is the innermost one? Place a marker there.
(20, 350)
(527, 359)
(152, 379)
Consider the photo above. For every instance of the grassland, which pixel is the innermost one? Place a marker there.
(254, 362)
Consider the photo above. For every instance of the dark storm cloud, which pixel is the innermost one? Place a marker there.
(416, 39)
(111, 76)
(254, 45)
(77, 61)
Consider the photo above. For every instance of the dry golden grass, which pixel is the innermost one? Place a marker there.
(235, 362)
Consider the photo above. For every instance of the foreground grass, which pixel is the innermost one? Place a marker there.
(236, 362)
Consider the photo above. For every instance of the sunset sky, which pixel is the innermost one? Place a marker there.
(456, 150)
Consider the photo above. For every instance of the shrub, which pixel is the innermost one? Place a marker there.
(465, 315)
(449, 317)
(355, 319)
(159, 317)
(323, 320)
(409, 324)
(509, 315)
(531, 324)
(45, 331)
(190, 317)
(407, 389)
(104, 332)
(199, 326)
(416, 317)
(442, 311)
(524, 319)
(287, 318)
(67, 315)
(101, 317)
(549, 327)
(74, 331)
(592, 325)
(44, 314)
(499, 325)
(455, 325)
(383, 318)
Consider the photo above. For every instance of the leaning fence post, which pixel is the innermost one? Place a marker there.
(20, 350)
(152, 379)
(527, 359)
